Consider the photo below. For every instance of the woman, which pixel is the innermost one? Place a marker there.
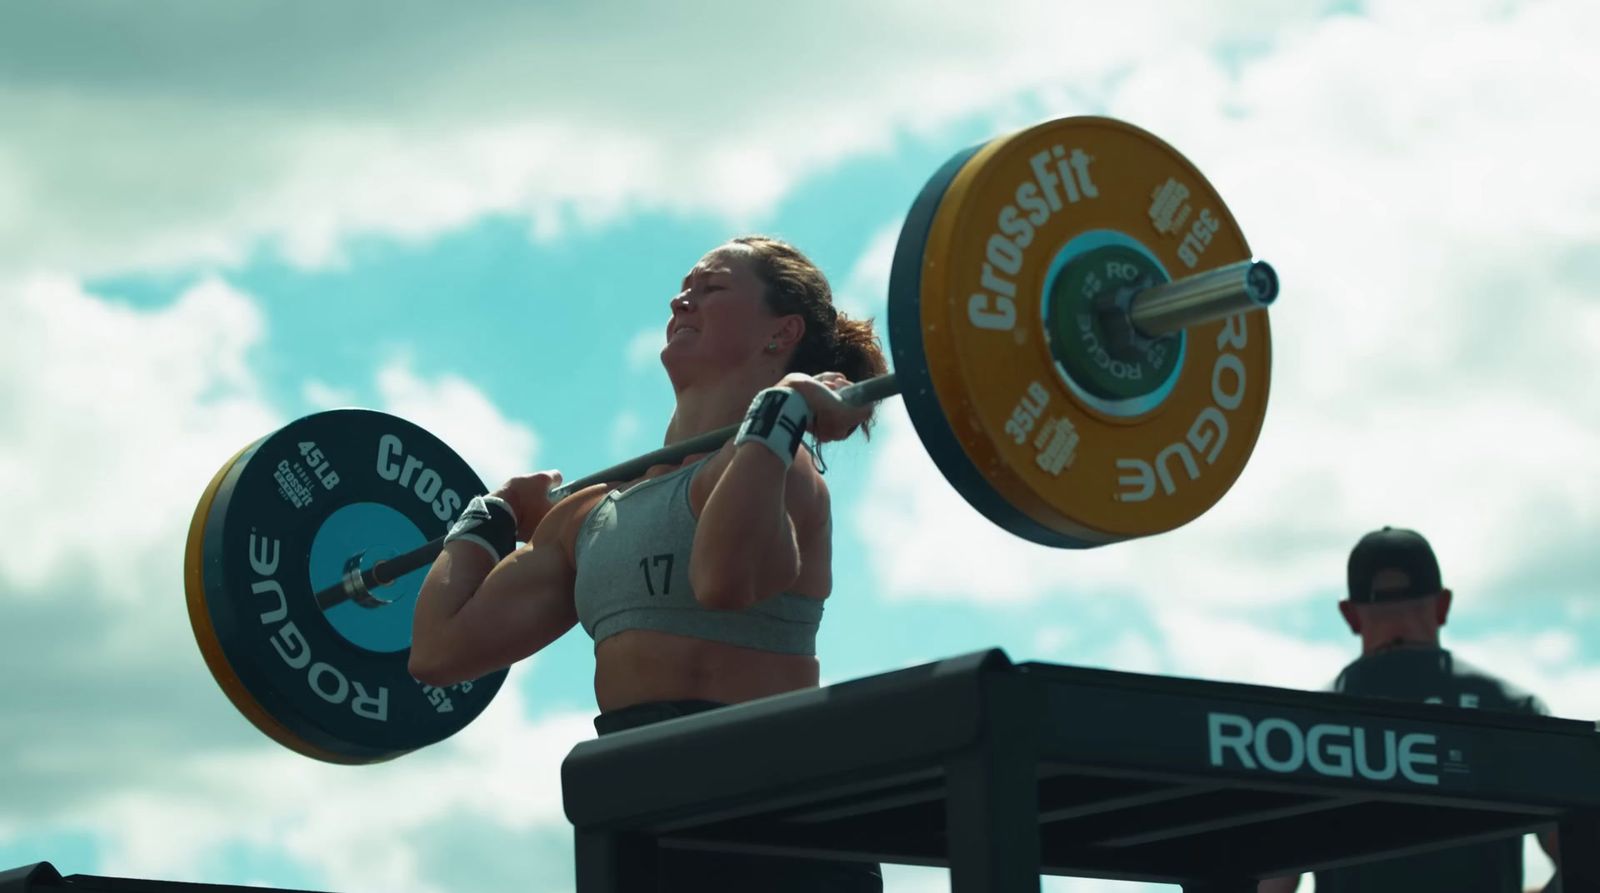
(701, 583)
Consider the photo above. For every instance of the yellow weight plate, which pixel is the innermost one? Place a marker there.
(1019, 214)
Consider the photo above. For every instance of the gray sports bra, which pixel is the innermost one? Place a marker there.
(632, 558)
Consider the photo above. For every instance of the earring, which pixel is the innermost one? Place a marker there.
(772, 347)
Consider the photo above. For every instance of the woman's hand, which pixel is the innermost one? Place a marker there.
(831, 417)
(529, 496)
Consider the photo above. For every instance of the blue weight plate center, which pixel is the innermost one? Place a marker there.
(380, 532)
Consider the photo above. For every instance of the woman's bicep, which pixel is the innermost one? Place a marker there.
(523, 605)
(812, 517)
(531, 587)
(799, 552)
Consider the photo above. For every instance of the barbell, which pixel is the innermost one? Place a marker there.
(1076, 331)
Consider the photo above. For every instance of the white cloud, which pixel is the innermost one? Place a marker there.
(1210, 646)
(503, 769)
(865, 291)
(115, 421)
(625, 430)
(455, 411)
(117, 418)
(1435, 341)
(1546, 664)
(644, 348)
(1199, 642)
(111, 163)
(323, 396)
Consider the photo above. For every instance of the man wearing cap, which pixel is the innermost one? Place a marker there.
(1396, 605)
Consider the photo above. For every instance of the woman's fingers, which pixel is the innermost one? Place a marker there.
(529, 495)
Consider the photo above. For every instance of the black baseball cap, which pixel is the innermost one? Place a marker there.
(1406, 554)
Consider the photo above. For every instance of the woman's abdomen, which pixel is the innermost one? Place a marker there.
(643, 665)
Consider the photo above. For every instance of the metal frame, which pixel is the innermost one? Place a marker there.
(1003, 772)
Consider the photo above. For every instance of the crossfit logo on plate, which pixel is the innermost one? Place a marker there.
(1056, 442)
(291, 485)
(1337, 751)
(1057, 174)
(1208, 433)
(427, 485)
(1169, 206)
(1169, 210)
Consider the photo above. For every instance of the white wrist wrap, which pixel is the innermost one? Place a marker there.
(489, 522)
(777, 419)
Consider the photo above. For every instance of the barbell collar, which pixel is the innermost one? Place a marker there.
(1203, 298)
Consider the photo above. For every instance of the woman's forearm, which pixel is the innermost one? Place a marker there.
(461, 568)
(455, 576)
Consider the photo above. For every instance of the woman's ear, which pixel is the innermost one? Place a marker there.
(790, 330)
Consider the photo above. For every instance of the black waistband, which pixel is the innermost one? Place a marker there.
(649, 712)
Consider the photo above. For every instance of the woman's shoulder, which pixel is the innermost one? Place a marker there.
(569, 514)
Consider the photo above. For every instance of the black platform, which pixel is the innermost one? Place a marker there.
(1004, 771)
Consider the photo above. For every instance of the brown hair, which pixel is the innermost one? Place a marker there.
(833, 342)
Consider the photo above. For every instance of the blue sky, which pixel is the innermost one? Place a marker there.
(216, 219)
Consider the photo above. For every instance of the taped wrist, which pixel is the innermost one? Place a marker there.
(777, 419)
(487, 521)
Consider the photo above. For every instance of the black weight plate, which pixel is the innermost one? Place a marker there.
(282, 521)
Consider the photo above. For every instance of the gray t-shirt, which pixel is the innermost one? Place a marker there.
(1434, 675)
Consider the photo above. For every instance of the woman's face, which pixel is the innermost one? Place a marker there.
(720, 317)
